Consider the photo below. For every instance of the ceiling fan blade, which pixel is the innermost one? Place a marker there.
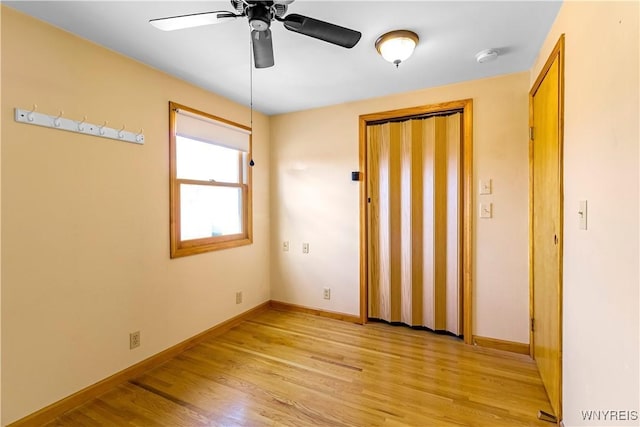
(325, 31)
(262, 48)
(193, 20)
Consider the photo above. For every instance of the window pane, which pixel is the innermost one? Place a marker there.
(209, 211)
(205, 162)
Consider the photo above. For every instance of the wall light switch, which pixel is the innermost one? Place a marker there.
(582, 215)
(285, 246)
(305, 248)
(485, 186)
(486, 210)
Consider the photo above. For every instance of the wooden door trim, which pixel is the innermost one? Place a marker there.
(556, 53)
(466, 105)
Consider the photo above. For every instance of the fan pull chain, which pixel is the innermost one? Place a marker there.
(251, 162)
(251, 89)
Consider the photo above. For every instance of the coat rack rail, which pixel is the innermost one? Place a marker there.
(58, 122)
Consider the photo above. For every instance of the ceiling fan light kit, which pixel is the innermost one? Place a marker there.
(397, 46)
(260, 14)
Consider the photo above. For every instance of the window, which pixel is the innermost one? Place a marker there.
(210, 182)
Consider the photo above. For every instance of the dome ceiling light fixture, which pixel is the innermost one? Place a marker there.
(487, 55)
(396, 46)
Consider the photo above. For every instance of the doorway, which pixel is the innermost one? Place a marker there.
(462, 266)
(546, 105)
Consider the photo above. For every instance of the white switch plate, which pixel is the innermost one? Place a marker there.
(485, 186)
(486, 210)
(582, 214)
(305, 248)
(285, 246)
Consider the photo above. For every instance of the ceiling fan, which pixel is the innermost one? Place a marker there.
(260, 15)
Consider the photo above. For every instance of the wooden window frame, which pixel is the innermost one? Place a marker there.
(179, 247)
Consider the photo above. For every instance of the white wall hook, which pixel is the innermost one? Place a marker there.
(56, 121)
(101, 128)
(52, 121)
(81, 124)
(30, 115)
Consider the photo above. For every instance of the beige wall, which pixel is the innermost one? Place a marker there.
(0, 229)
(85, 220)
(601, 166)
(312, 155)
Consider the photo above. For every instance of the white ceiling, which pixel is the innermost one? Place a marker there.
(310, 73)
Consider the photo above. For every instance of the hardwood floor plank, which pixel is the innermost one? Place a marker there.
(297, 369)
(297, 390)
(264, 387)
(226, 405)
(431, 369)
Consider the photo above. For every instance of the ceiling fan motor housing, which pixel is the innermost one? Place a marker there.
(260, 16)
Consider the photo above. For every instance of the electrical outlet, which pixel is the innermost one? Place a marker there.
(326, 293)
(285, 246)
(239, 297)
(305, 248)
(134, 340)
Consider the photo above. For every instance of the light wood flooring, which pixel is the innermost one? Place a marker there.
(294, 369)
